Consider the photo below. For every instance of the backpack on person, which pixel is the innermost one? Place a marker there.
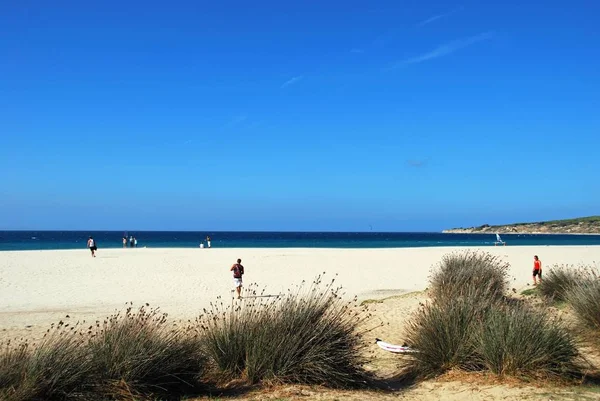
(238, 270)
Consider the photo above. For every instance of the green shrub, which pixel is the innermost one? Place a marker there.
(139, 352)
(474, 274)
(471, 325)
(585, 300)
(300, 337)
(558, 280)
(442, 334)
(55, 369)
(516, 340)
(127, 356)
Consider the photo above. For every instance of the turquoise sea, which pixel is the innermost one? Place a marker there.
(37, 240)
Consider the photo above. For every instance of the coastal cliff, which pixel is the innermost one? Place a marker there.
(584, 225)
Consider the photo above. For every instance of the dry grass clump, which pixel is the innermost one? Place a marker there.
(517, 340)
(584, 297)
(141, 352)
(306, 336)
(443, 335)
(134, 353)
(473, 274)
(55, 369)
(558, 281)
(471, 325)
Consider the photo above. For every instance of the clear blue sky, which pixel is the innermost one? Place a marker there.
(277, 115)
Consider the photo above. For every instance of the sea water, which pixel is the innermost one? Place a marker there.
(37, 240)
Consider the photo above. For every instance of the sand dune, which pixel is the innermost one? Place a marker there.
(38, 288)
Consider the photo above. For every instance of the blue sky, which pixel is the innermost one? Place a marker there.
(195, 115)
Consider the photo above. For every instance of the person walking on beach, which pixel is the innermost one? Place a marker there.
(537, 269)
(124, 242)
(92, 245)
(238, 272)
(131, 241)
(134, 242)
(208, 241)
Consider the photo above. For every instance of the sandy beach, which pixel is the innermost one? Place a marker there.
(36, 287)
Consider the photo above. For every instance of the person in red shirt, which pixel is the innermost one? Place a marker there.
(238, 272)
(537, 269)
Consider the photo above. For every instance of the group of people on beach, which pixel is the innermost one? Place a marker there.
(132, 242)
(207, 242)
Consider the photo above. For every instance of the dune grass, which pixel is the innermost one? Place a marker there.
(558, 280)
(131, 354)
(306, 336)
(140, 352)
(55, 369)
(442, 334)
(584, 298)
(471, 325)
(517, 340)
(475, 274)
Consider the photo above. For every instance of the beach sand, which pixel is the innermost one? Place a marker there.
(38, 288)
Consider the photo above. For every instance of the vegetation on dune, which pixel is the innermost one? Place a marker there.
(442, 333)
(558, 280)
(138, 350)
(300, 337)
(476, 275)
(305, 337)
(308, 335)
(471, 325)
(517, 340)
(135, 354)
(584, 298)
(53, 370)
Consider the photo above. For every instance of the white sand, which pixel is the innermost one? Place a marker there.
(38, 286)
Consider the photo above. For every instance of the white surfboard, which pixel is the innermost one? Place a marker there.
(397, 349)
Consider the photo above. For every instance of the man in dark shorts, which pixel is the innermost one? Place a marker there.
(537, 269)
(92, 245)
(238, 272)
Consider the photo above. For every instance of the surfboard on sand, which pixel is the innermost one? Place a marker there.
(396, 349)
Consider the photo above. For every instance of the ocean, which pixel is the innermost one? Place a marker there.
(38, 240)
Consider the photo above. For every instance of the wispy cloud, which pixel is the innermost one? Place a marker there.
(445, 49)
(416, 163)
(357, 50)
(236, 121)
(437, 17)
(292, 81)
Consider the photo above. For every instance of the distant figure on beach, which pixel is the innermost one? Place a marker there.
(124, 242)
(238, 272)
(131, 241)
(537, 269)
(134, 242)
(208, 241)
(92, 245)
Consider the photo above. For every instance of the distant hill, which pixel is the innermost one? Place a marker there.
(583, 225)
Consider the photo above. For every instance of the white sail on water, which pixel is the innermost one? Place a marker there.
(498, 237)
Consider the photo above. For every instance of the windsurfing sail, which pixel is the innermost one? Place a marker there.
(498, 238)
(397, 349)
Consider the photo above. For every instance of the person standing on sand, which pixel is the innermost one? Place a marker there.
(208, 241)
(92, 245)
(124, 242)
(134, 242)
(131, 241)
(238, 272)
(537, 269)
